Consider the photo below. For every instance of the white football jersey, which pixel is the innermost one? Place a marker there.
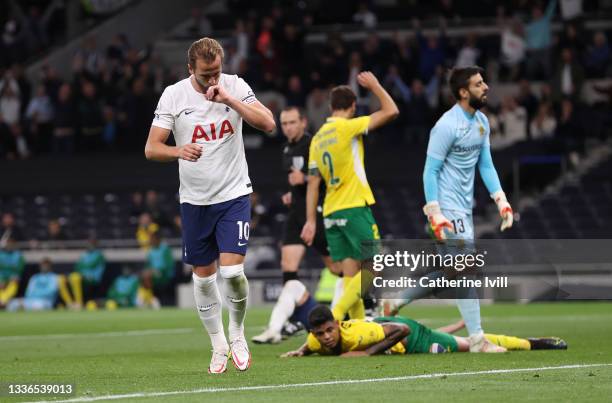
(221, 173)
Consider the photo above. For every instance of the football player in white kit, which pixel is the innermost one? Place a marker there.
(205, 113)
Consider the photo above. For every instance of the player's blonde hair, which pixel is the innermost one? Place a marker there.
(206, 49)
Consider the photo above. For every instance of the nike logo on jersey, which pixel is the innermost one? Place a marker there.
(242, 244)
(187, 112)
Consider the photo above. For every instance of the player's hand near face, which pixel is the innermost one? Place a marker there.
(216, 93)
(190, 152)
(308, 232)
(296, 177)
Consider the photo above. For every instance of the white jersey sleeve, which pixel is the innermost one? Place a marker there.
(164, 113)
(244, 92)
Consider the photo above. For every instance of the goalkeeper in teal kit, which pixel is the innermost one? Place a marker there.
(458, 144)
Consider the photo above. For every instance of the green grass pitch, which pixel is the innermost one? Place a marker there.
(151, 353)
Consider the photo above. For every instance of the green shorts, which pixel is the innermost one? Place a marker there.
(421, 337)
(345, 231)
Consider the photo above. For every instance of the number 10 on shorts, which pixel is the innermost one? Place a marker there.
(243, 230)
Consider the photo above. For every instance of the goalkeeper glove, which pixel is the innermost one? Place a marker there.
(505, 211)
(437, 221)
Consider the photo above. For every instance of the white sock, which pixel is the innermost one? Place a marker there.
(208, 304)
(292, 292)
(236, 294)
(338, 290)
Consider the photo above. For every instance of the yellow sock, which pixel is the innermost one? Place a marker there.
(9, 292)
(510, 342)
(145, 295)
(63, 290)
(76, 284)
(352, 295)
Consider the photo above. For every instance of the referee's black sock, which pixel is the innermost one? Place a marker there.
(289, 275)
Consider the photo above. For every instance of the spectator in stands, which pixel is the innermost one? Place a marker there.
(91, 121)
(110, 130)
(9, 229)
(197, 26)
(418, 114)
(146, 228)
(90, 57)
(295, 95)
(12, 263)
(40, 116)
(598, 56)
(365, 16)
(135, 114)
(513, 119)
(374, 58)
(13, 44)
(15, 142)
(544, 124)
(513, 47)
(154, 208)
(539, 40)
(568, 79)
(51, 81)
(65, 121)
(291, 47)
(136, 207)
(41, 292)
(116, 50)
(571, 38)
(432, 51)
(468, 54)
(317, 109)
(55, 231)
(25, 89)
(570, 131)
(10, 103)
(86, 279)
(123, 291)
(158, 273)
(527, 99)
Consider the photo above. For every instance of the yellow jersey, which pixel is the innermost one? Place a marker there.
(355, 335)
(336, 151)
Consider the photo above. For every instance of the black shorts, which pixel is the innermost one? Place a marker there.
(293, 229)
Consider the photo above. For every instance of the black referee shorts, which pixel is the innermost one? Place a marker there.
(293, 228)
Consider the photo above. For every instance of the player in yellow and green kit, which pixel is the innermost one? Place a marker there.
(397, 335)
(336, 156)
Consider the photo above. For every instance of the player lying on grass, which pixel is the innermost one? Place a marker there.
(397, 335)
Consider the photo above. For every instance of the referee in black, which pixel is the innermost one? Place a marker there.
(295, 163)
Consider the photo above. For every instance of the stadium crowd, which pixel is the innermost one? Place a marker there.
(108, 101)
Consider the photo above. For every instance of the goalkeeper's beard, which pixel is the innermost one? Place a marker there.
(477, 103)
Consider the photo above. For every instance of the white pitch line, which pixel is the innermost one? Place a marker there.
(324, 383)
(101, 334)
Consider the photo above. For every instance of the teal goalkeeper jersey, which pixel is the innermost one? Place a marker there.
(457, 139)
(91, 265)
(11, 264)
(43, 286)
(160, 259)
